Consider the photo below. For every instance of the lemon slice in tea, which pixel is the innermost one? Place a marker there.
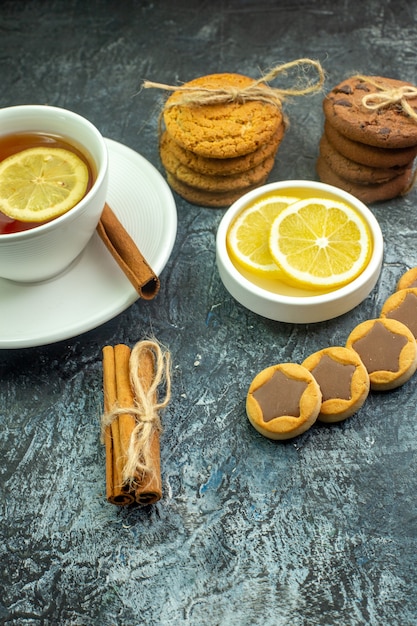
(39, 184)
(320, 243)
(248, 236)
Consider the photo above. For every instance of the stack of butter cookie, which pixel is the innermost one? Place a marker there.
(215, 152)
(369, 140)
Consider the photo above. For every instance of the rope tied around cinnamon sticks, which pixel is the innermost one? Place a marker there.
(390, 95)
(258, 90)
(145, 411)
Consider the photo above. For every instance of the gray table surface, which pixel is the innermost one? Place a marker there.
(320, 530)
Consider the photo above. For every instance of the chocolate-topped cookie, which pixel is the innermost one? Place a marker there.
(283, 401)
(343, 381)
(402, 306)
(347, 108)
(388, 350)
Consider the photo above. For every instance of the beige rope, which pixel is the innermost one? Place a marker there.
(195, 96)
(386, 96)
(145, 411)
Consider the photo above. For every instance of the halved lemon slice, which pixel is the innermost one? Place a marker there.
(248, 236)
(320, 243)
(39, 184)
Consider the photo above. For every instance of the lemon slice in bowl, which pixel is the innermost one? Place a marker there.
(39, 184)
(248, 236)
(320, 243)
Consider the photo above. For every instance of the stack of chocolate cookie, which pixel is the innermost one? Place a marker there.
(369, 140)
(214, 153)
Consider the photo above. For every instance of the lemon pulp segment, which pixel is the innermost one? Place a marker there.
(320, 243)
(39, 184)
(248, 236)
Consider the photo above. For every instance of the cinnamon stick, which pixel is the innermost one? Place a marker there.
(125, 252)
(131, 424)
(117, 392)
(149, 490)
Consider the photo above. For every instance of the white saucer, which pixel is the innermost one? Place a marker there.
(94, 289)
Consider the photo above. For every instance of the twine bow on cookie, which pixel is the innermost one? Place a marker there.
(384, 97)
(387, 96)
(258, 90)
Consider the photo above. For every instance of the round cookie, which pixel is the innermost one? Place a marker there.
(366, 193)
(200, 197)
(353, 171)
(366, 154)
(224, 130)
(283, 401)
(343, 380)
(388, 350)
(408, 279)
(215, 184)
(388, 127)
(221, 167)
(402, 306)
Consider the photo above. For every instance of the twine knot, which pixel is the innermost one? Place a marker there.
(145, 410)
(389, 95)
(258, 90)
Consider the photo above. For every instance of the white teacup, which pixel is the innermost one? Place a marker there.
(48, 249)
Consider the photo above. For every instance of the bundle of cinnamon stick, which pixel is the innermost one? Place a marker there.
(131, 424)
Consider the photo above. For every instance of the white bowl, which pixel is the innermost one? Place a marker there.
(277, 301)
(46, 250)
